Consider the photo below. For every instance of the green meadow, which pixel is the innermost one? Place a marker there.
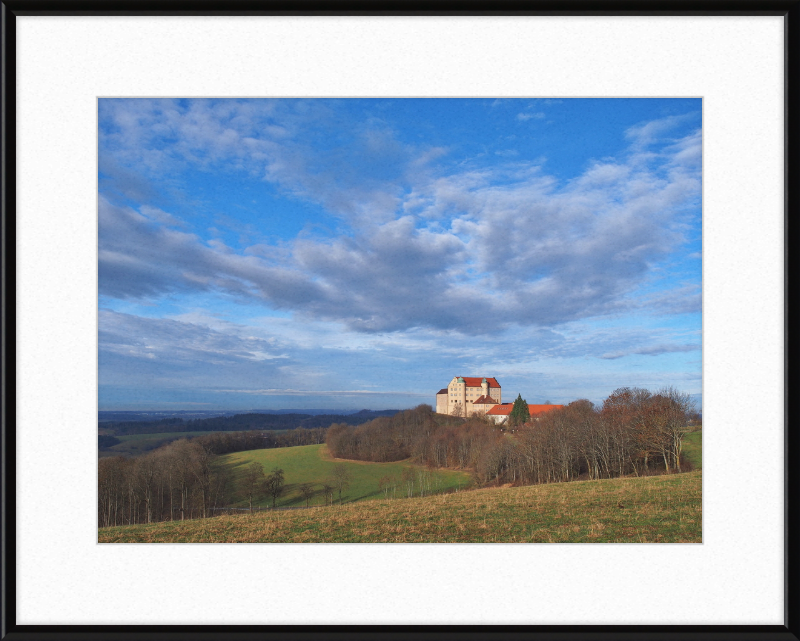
(693, 448)
(313, 464)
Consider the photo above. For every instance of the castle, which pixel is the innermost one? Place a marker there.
(466, 395)
(471, 395)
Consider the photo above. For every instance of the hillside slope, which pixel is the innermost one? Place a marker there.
(313, 464)
(632, 510)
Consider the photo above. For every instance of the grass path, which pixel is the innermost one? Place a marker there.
(313, 464)
(631, 510)
(693, 448)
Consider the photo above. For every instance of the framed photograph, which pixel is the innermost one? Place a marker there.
(428, 310)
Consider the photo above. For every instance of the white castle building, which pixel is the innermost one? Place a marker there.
(467, 395)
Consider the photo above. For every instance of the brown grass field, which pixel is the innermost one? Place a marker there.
(656, 509)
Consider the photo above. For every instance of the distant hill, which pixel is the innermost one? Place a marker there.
(105, 416)
(236, 422)
(118, 416)
(313, 412)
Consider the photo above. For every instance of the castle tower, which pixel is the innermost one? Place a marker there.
(461, 385)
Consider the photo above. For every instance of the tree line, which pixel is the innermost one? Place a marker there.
(227, 442)
(179, 480)
(175, 482)
(387, 439)
(634, 431)
(238, 422)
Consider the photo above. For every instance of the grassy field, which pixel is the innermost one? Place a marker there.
(313, 464)
(693, 448)
(660, 509)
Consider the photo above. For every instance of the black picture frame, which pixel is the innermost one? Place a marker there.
(790, 9)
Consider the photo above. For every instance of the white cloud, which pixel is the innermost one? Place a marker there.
(650, 132)
(448, 251)
(525, 116)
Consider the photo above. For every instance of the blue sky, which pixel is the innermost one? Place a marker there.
(359, 253)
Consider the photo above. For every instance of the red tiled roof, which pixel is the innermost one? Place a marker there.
(533, 410)
(504, 409)
(483, 400)
(441, 391)
(475, 381)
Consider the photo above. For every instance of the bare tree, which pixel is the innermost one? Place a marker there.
(327, 491)
(384, 485)
(307, 491)
(221, 481)
(182, 472)
(253, 479)
(408, 481)
(110, 494)
(677, 418)
(341, 479)
(146, 471)
(201, 468)
(274, 484)
(423, 480)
